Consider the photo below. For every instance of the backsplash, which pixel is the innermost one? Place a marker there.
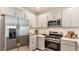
(64, 30)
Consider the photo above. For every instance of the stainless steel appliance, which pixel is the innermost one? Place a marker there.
(13, 29)
(55, 23)
(53, 41)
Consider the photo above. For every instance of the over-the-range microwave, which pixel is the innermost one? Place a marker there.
(55, 23)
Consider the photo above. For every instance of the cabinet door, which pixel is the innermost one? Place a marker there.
(66, 14)
(67, 48)
(50, 16)
(28, 17)
(75, 17)
(11, 20)
(8, 11)
(57, 15)
(44, 20)
(19, 13)
(32, 19)
(41, 43)
(23, 22)
(32, 43)
(40, 21)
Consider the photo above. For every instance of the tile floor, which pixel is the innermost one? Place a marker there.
(26, 48)
(22, 48)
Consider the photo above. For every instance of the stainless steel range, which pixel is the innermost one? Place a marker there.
(53, 41)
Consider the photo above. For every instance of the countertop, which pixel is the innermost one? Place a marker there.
(70, 39)
(38, 35)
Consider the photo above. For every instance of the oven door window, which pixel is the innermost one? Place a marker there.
(52, 45)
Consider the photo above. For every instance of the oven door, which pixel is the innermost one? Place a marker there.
(52, 45)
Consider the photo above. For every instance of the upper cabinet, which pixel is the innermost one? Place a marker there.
(19, 12)
(54, 15)
(57, 15)
(70, 17)
(7, 10)
(11, 20)
(23, 22)
(66, 14)
(50, 16)
(31, 18)
(39, 21)
(75, 17)
(42, 20)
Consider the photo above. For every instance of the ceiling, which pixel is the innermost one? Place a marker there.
(40, 9)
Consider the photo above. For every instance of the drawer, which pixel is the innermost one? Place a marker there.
(67, 48)
(66, 42)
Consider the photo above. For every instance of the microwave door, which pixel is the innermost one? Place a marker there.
(58, 22)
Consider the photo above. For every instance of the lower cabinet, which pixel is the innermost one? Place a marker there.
(32, 43)
(36, 42)
(68, 45)
(41, 43)
(67, 48)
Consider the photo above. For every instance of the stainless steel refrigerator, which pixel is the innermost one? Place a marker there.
(13, 32)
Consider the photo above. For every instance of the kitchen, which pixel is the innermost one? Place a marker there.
(49, 28)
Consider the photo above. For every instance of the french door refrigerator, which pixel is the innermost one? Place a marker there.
(13, 32)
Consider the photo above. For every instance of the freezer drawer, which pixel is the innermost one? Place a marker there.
(10, 44)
